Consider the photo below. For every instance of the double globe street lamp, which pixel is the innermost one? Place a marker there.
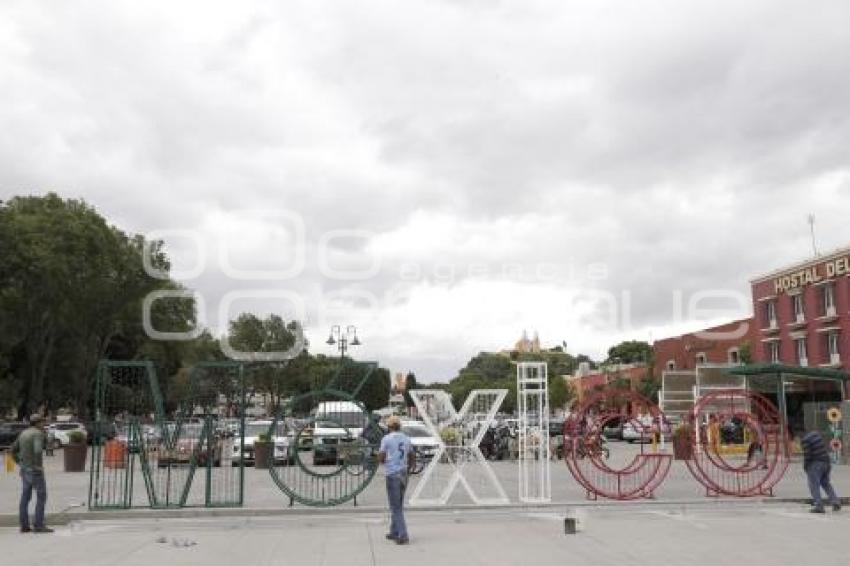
(343, 338)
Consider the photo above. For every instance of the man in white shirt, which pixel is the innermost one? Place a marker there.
(396, 454)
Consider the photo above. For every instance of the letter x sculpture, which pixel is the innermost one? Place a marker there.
(458, 458)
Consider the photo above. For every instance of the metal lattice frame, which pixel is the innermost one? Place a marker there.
(334, 469)
(738, 474)
(136, 432)
(535, 482)
(458, 459)
(586, 459)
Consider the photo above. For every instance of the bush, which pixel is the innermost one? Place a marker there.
(76, 437)
(450, 436)
(264, 437)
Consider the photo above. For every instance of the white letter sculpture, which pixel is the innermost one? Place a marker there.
(458, 458)
(532, 386)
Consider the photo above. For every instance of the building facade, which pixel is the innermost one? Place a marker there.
(725, 344)
(586, 381)
(802, 313)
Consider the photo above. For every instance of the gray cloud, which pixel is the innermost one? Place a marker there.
(501, 149)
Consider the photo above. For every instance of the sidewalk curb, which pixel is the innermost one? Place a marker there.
(64, 518)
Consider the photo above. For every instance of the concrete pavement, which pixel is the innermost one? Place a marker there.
(704, 535)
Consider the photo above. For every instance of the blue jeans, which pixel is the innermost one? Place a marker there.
(396, 485)
(818, 474)
(32, 480)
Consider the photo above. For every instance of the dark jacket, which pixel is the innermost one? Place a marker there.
(814, 449)
(27, 450)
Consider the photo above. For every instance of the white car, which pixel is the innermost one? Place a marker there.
(425, 443)
(58, 432)
(640, 430)
(253, 430)
(336, 423)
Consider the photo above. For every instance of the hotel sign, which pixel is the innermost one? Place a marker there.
(811, 275)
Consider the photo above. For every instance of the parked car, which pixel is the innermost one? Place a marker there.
(58, 432)
(556, 426)
(336, 423)
(641, 429)
(9, 432)
(613, 429)
(187, 445)
(253, 430)
(424, 443)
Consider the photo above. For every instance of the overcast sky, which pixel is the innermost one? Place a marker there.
(445, 174)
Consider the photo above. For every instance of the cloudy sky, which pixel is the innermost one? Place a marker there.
(444, 174)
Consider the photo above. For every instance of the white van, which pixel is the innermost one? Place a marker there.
(336, 422)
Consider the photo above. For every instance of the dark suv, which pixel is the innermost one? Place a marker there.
(9, 432)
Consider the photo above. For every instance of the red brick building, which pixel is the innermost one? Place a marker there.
(586, 381)
(722, 344)
(802, 313)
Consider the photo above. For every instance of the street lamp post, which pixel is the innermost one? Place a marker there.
(343, 339)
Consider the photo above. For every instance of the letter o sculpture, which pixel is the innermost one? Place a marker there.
(585, 455)
(747, 419)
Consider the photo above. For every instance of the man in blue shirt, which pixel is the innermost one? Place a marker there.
(396, 454)
(816, 464)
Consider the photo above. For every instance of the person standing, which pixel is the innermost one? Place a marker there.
(27, 452)
(396, 454)
(817, 466)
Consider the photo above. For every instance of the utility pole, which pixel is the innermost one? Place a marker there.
(812, 230)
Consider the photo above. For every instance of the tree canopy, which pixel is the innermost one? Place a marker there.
(630, 352)
(72, 289)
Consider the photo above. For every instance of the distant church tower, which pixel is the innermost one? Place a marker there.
(526, 346)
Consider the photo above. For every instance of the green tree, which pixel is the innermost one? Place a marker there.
(69, 285)
(649, 388)
(409, 385)
(561, 393)
(630, 352)
(249, 333)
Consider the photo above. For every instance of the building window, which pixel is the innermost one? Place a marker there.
(770, 320)
(832, 344)
(799, 308)
(671, 365)
(773, 352)
(734, 356)
(829, 300)
(701, 359)
(802, 354)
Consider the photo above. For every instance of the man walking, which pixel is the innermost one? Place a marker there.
(396, 454)
(27, 452)
(817, 466)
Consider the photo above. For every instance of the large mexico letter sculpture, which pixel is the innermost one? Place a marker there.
(755, 458)
(458, 459)
(326, 443)
(535, 484)
(187, 452)
(588, 459)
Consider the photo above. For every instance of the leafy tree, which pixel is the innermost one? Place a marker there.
(70, 284)
(249, 333)
(631, 351)
(560, 392)
(649, 388)
(409, 385)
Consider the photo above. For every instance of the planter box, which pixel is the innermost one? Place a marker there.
(683, 448)
(75, 457)
(263, 452)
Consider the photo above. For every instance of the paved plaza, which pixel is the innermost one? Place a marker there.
(68, 492)
(698, 535)
(680, 526)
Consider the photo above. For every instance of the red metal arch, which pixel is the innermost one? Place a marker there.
(738, 475)
(583, 439)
